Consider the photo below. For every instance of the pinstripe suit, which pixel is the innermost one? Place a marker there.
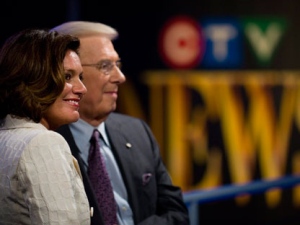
(39, 182)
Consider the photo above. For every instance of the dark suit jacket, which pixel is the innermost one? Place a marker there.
(154, 201)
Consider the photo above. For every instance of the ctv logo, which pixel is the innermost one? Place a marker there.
(213, 42)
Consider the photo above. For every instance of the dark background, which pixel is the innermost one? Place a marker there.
(139, 24)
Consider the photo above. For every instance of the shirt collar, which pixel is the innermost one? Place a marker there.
(84, 130)
(102, 130)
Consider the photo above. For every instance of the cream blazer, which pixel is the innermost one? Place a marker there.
(39, 182)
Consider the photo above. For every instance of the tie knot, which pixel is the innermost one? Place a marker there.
(95, 135)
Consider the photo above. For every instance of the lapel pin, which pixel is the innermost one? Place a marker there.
(128, 145)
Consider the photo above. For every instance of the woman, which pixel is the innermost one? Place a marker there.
(40, 89)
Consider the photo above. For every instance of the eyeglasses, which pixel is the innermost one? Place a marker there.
(105, 66)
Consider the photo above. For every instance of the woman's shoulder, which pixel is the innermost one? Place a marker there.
(48, 138)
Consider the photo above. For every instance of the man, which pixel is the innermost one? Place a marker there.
(142, 188)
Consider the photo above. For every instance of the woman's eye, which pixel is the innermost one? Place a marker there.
(81, 77)
(68, 76)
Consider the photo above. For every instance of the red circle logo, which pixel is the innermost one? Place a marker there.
(181, 43)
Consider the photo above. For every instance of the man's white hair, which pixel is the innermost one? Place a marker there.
(86, 28)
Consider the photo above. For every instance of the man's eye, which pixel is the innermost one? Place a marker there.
(104, 66)
(119, 64)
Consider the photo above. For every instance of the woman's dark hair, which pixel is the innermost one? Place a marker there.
(32, 72)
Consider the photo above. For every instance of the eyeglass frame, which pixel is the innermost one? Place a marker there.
(105, 63)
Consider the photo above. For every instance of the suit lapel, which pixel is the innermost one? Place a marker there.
(118, 143)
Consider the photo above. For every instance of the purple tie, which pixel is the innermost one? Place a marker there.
(100, 181)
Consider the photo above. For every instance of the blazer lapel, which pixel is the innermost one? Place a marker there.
(76, 165)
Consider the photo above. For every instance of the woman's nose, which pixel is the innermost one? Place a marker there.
(79, 88)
